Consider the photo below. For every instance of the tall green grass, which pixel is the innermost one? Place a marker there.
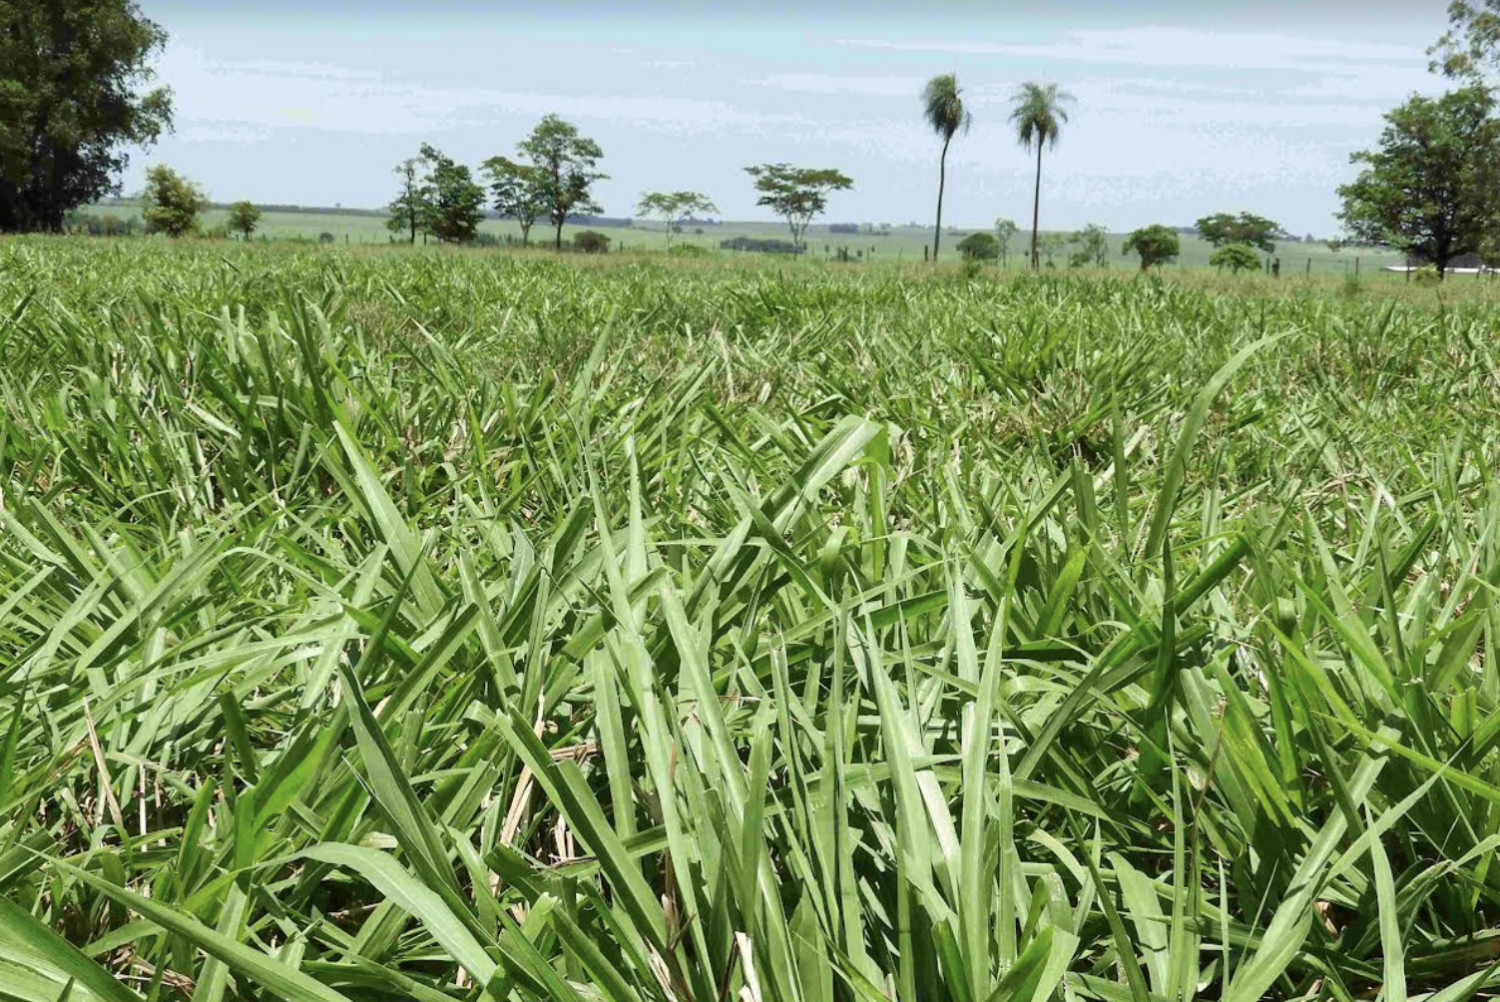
(430, 626)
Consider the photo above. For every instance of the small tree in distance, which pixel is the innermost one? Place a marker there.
(979, 246)
(1093, 247)
(1235, 257)
(409, 207)
(454, 204)
(517, 192)
(1222, 229)
(1156, 244)
(172, 203)
(1005, 231)
(243, 216)
(796, 194)
(567, 165)
(672, 207)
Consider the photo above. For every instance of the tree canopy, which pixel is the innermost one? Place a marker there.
(453, 204)
(1223, 228)
(797, 194)
(516, 192)
(1093, 247)
(172, 203)
(1038, 113)
(74, 94)
(1235, 257)
(243, 217)
(1156, 244)
(567, 165)
(672, 207)
(1430, 188)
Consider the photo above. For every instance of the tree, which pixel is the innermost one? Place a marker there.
(1038, 114)
(1221, 229)
(1093, 247)
(672, 207)
(591, 242)
(1052, 243)
(1472, 43)
(172, 203)
(1431, 187)
(454, 204)
(73, 75)
(943, 109)
(1005, 230)
(242, 218)
(409, 207)
(568, 168)
(979, 246)
(517, 193)
(1235, 257)
(796, 194)
(1156, 244)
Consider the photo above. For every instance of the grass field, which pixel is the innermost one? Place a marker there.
(427, 625)
(901, 244)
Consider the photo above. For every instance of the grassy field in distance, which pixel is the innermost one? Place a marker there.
(901, 243)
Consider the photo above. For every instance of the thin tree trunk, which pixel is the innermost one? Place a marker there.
(1036, 209)
(937, 232)
(557, 243)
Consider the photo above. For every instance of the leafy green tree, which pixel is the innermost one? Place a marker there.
(172, 203)
(1005, 231)
(944, 111)
(454, 204)
(1093, 247)
(73, 98)
(410, 206)
(568, 168)
(1156, 244)
(591, 242)
(796, 194)
(516, 191)
(979, 246)
(243, 217)
(1432, 188)
(1235, 257)
(1221, 229)
(1472, 43)
(672, 207)
(1038, 115)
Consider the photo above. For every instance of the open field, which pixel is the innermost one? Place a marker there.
(902, 243)
(431, 625)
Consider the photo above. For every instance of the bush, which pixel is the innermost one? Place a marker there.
(688, 250)
(1235, 257)
(591, 242)
(326, 238)
(979, 247)
(761, 246)
(1427, 275)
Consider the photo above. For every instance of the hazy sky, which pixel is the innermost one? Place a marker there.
(1182, 108)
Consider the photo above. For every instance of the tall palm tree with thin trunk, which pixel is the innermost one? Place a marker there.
(944, 110)
(1038, 114)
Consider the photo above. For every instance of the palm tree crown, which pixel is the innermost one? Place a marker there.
(943, 108)
(1038, 114)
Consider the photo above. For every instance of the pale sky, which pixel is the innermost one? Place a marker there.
(1182, 108)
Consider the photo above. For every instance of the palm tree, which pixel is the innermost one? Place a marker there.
(944, 111)
(1038, 116)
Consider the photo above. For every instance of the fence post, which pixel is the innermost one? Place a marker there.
(1309, 266)
(1356, 267)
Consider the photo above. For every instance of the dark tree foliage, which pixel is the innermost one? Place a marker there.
(1433, 186)
(1222, 229)
(73, 95)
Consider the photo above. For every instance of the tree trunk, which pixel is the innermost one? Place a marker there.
(557, 242)
(1036, 209)
(525, 234)
(937, 231)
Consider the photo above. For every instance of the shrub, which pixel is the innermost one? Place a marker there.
(591, 242)
(1235, 257)
(326, 238)
(1427, 275)
(761, 246)
(688, 250)
(980, 246)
